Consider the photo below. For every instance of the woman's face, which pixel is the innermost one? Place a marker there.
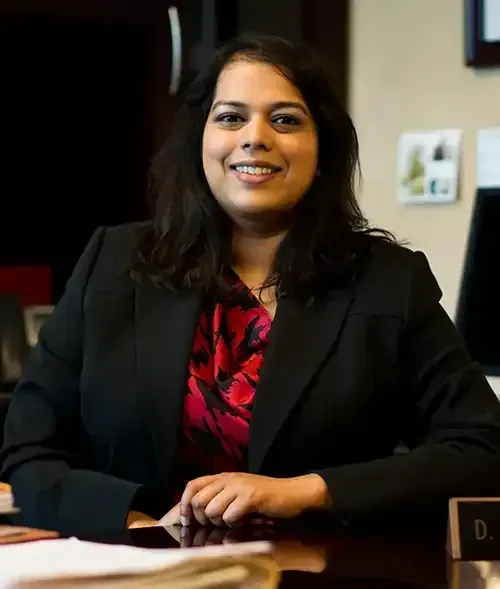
(260, 144)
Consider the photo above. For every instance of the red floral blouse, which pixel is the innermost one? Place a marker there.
(228, 351)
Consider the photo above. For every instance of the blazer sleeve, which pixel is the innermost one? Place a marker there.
(43, 457)
(452, 420)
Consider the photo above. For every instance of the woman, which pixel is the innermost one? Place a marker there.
(256, 349)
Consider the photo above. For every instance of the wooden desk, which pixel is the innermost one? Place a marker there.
(311, 557)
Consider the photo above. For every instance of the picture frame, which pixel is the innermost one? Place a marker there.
(482, 33)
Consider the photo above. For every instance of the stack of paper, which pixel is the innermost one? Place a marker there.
(72, 563)
(6, 500)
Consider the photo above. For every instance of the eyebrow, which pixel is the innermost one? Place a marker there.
(273, 105)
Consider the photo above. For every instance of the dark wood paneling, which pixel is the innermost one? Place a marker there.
(87, 9)
(325, 25)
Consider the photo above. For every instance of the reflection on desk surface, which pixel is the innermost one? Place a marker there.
(289, 554)
(475, 575)
(310, 558)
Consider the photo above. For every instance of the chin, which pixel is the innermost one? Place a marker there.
(261, 218)
(259, 211)
(259, 206)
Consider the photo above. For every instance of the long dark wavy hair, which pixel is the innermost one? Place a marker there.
(189, 242)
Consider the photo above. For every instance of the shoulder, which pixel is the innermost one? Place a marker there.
(113, 253)
(119, 241)
(394, 277)
(388, 259)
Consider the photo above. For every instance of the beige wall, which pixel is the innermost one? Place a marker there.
(407, 73)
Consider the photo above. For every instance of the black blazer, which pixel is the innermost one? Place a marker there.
(93, 425)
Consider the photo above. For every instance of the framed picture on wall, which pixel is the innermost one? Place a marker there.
(428, 164)
(482, 33)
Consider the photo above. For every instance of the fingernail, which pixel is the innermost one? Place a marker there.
(184, 521)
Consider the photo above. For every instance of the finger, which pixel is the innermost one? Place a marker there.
(200, 538)
(216, 537)
(262, 521)
(203, 498)
(218, 505)
(190, 491)
(231, 537)
(185, 537)
(237, 510)
(262, 533)
(199, 516)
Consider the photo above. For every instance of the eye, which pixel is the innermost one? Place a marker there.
(229, 118)
(286, 120)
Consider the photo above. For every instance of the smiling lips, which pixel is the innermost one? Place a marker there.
(257, 173)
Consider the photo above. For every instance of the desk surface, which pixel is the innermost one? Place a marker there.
(311, 557)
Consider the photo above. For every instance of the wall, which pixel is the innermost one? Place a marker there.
(407, 73)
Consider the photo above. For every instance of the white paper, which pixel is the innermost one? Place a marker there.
(7, 503)
(172, 517)
(491, 22)
(428, 166)
(488, 158)
(49, 559)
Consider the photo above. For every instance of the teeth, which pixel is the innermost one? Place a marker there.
(254, 170)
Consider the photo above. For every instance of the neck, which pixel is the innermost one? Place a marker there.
(253, 253)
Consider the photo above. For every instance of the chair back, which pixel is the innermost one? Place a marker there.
(14, 348)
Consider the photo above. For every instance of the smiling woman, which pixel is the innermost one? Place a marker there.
(260, 145)
(256, 350)
(272, 132)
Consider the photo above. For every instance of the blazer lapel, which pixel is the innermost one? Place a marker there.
(300, 339)
(166, 324)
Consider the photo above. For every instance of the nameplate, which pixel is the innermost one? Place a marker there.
(474, 528)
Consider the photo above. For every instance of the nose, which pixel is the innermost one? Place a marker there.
(257, 136)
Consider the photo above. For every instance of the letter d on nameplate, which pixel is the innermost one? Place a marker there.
(480, 529)
(474, 528)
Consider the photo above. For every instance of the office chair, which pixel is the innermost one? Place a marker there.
(14, 346)
(14, 350)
